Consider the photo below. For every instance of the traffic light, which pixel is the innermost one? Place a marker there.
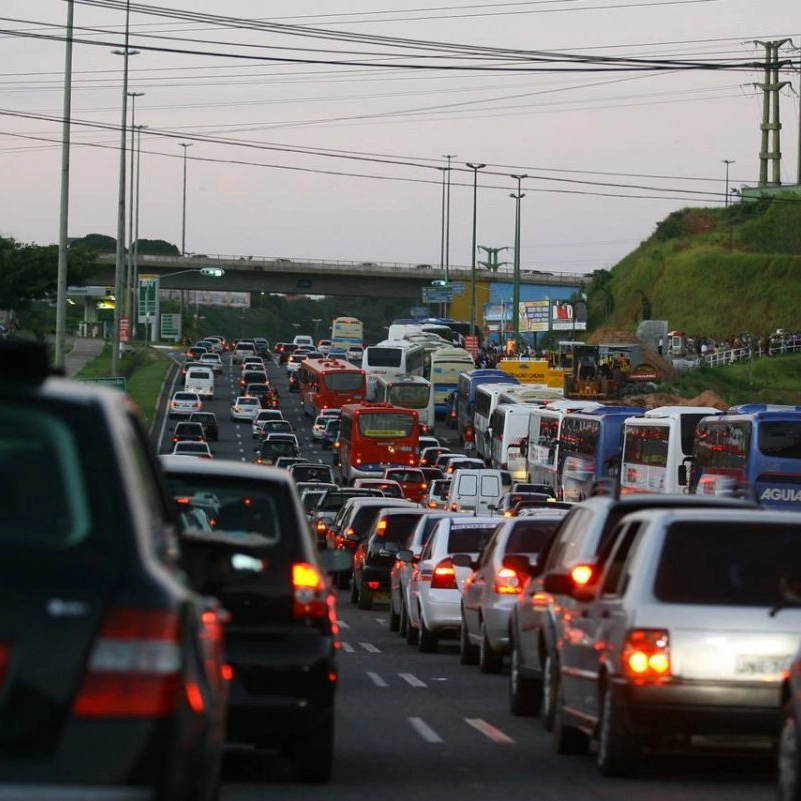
(212, 272)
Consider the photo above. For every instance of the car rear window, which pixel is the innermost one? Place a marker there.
(312, 473)
(407, 476)
(727, 564)
(531, 536)
(398, 527)
(44, 500)
(469, 539)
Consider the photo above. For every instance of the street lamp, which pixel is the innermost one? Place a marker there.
(129, 278)
(135, 271)
(516, 279)
(184, 145)
(475, 168)
(209, 272)
(448, 156)
(727, 162)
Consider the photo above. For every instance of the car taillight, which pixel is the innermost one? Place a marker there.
(134, 667)
(4, 650)
(444, 576)
(311, 596)
(381, 527)
(321, 526)
(646, 654)
(507, 582)
(581, 574)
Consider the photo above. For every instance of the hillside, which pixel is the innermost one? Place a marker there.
(712, 272)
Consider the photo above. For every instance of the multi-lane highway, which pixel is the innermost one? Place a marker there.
(411, 725)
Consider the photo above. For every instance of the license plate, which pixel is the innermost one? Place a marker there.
(760, 664)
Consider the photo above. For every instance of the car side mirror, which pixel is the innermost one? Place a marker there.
(463, 560)
(404, 555)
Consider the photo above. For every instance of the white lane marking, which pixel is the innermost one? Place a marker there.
(489, 730)
(377, 680)
(342, 624)
(412, 680)
(381, 621)
(424, 730)
(370, 648)
(348, 648)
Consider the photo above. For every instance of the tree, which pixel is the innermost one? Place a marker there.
(100, 243)
(30, 272)
(156, 247)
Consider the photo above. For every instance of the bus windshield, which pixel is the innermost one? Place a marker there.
(386, 424)
(647, 445)
(344, 382)
(384, 357)
(780, 438)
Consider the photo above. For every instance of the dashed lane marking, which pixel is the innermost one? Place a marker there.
(424, 730)
(370, 648)
(412, 680)
(377, 680)
(488, 730)
(348, 648)
(342, 624)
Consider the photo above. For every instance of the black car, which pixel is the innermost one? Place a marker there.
(261, 562)
(209, 422)
(112, 676)
(186, 431)
(265, 392)
(271, 449)
(294, 382)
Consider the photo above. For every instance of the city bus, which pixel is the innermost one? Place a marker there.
(508, 429)
(656, 447)
(753, 445)
(374, 436)
(444, 367)
(484, 402)
(542, 442)
(590, 449)
(391, 358)
(329, 384)
(346, 331)
(466, 392)
(410, 392)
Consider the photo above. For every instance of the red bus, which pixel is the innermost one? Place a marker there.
(374, 436)
(329, 384)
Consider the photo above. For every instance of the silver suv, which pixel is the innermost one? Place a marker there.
(681, 638)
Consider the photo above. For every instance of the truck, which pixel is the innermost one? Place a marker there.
(609, 371)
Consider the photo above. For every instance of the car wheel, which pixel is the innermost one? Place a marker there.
(354, 591)
(412, 633)
(403, 627)
(489, 661)
(428, 639)
(525, 695)
(566, 739)
(468, 653)
(365, 598)
(394, 617)
(549, 686)
(617, 749)
(313, 756)
(789, 757)
(343, 581)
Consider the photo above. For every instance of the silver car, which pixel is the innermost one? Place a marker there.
(682, 639)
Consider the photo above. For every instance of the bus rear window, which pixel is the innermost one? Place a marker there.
(386, 425)
(384, 357)
(344, 382)
(781, 439)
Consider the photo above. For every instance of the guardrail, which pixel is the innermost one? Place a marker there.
(729, 356)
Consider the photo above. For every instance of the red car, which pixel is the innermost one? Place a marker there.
(412, 480)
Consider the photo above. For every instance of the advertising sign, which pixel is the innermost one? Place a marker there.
(567, 318)
(534, 315)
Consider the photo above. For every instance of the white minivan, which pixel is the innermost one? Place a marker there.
(303, 340)
(200, 380)
(476, 491)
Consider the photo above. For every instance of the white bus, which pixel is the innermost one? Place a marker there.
(655, 447)
(530, 393)
(509, 428)
(486, 399)
(542, 445)
(391, 358)
(444, 366)
(410, 392)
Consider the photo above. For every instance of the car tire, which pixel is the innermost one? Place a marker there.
(343, 581)
(394, 618)
(403, 627)
(618, 750)
(489, 661)
(428, 640)
(566, 739)
(313, 755)
(525, 695)
(365, 598)
(550, 672)
(468, 653)
(412, 633)
(789, 757)
(354, 591)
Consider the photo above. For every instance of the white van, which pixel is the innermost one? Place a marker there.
(200, 380)
(475, 491)
(303, 340)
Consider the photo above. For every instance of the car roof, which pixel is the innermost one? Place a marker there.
(226, 468)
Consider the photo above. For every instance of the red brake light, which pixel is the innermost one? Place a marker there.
(581, 574)
(444, 576)
(507, 582)
(4, 649)
(134, 667)
(646, 654)
(311, 592)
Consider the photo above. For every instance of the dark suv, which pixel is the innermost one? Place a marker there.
(209, 422)
(262, 563)
(112, 675)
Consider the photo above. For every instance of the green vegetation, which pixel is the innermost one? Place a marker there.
(145, 370)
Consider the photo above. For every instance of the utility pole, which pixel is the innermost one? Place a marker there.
(770, 151)
(184, 145)
(727, 162)
(475, 168)
(448, 156)
(492, 263)
(128, 305)
(516, 280)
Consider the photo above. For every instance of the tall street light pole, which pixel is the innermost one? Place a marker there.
(184, 145)
(727, 162)
(448, 156)
(135, 275)
(118, 262)
(475, 168)
(442, 224)
(129, 305)
(516, 280)
(61, 281)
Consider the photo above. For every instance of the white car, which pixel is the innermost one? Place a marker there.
(318, 426)
(245, 408)
(182, 404)
(212, 360)
(435, 587)
(354, 353)
(195, 449)
(264, 416)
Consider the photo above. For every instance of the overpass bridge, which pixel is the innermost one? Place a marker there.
(318, 277)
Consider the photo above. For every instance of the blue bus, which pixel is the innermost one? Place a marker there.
(466, 392)
(754, 446)
(590, 447)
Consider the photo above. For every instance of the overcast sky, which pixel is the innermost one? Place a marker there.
(328, 142)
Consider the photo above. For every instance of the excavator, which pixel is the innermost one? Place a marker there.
(608, 372)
